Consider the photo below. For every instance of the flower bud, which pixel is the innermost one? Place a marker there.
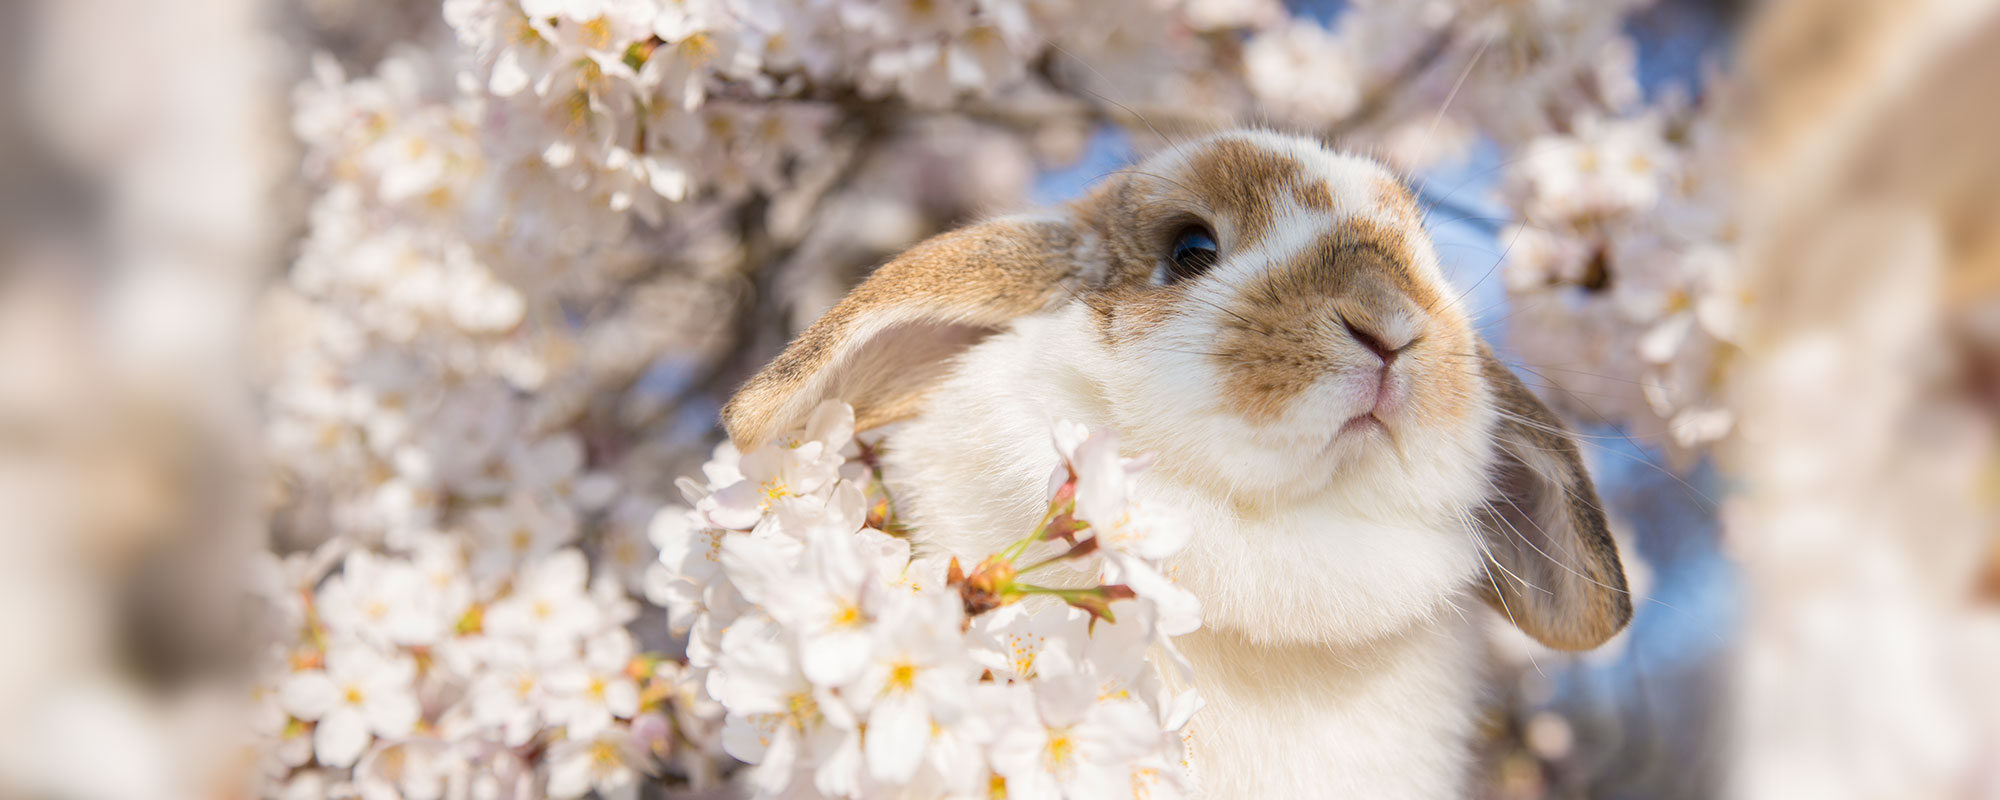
(1063, 527)
(990, 586)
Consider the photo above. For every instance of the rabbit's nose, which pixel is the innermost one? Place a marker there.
(1385, 346)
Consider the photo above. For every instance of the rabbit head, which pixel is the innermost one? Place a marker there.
(1269, 318)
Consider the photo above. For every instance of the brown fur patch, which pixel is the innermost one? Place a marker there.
(1392, 249)
(1126, 314)
(1274, 352)
(1314, 196)
(951, 288)
(1401, 204)
(1241, 179)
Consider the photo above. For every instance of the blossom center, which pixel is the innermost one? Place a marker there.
(520, 31)
(597, 34)
(774, 489)
(696, 50)
(1061, 750)
(801, 710)
(903, 676)
(1025, 647)
(604, 755)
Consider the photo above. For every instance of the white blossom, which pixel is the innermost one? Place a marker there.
(360, 693)
(1070, 742)
(550, 605)
(609, 763)
(840, 670)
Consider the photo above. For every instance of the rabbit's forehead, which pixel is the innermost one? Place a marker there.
(1285, 197)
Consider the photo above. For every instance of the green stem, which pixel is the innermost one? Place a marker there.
(1067, 595)
(1038, 565)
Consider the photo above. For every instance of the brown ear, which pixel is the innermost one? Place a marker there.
(1555, 570)
(880, 347)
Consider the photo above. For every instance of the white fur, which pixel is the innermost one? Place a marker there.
(1337, 657)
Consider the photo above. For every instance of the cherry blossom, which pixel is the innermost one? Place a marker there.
(838, 668)
(360, 693)
(609, 763)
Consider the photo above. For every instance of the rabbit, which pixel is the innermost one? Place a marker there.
(1267, 317)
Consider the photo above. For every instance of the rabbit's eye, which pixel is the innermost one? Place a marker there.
(1194, 251)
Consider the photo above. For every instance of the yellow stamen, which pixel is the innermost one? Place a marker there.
(597, 34)
(605, 754)
(697, 49)
(801, 710)
(1061, 750)
(903, 676)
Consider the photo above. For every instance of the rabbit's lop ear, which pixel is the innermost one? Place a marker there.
(1554, 568)
(880, 347)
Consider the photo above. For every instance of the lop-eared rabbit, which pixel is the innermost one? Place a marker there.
(1268, 317)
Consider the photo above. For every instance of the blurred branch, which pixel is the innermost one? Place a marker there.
(1460, 212)
(1377, 100)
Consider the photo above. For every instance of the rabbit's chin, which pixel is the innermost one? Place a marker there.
(1374, 550)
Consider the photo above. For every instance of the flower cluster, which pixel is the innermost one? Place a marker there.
(1624, 269)
(848, 667)
(1418, 82)
(459, 610)
(643, 103)
(404, 676)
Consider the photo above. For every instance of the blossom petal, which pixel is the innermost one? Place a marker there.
(1100, 480)
(340, 737)
(1179, 610)
(744, 740)
(308, 695)
(839, 773)
(391, 714)
(622, 698)
(781, 757)
(569, 775)
(836, 657)
(898, 727)
(831, 423)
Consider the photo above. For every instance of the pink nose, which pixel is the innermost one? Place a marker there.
(1375, 343)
